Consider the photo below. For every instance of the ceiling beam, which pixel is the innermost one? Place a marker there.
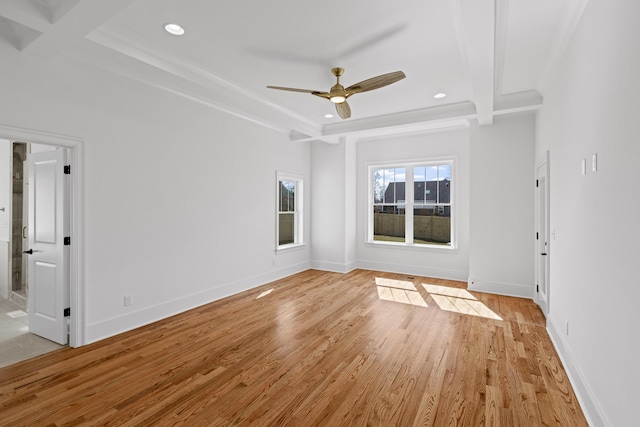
(190, 81)
(71, 22)
(474, 25)
(518, 102)
(420, 120)
(25, 14)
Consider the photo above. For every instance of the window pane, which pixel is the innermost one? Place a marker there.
(432, 225)
(393, 183)
(287, 196)
(444, 191)
(286, 228)
(444, 188)
(379, 185)
(388, 224)
(419, 186)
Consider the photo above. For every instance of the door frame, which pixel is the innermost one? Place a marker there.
(543, 162)
(75, 147)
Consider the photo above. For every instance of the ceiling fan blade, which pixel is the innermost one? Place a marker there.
(325, 95)
(343, 110)
(376, 82)
(291, 89)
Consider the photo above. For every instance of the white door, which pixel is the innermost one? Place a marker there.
(542, 237)
(48, 293)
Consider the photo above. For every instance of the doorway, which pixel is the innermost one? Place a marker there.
(542, 234)
(16, 263)
(30, 306)
(74, 149)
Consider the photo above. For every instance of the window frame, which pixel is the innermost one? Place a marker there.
(298, 212)
(409, 202)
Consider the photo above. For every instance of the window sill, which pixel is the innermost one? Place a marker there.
(290, 247)
(425, 248)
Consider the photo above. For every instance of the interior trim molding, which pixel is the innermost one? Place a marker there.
(77, 291)
(508, 289)
(592, 410)
(334, 267)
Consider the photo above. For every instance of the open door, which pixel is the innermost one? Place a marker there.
(48, 255)
(542, 236)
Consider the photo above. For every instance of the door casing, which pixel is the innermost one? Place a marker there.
(542, 242)
(75, 146)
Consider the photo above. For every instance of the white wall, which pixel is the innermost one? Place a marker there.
(180, 199)
(501, 256)
(591, 106)
(327, 204)
(333, 206)
(451, 264)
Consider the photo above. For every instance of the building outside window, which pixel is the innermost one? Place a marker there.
(420, 216)
(289, 225)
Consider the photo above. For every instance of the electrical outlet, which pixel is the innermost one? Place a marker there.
(127, 300)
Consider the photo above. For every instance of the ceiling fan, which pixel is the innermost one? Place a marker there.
(338, 94)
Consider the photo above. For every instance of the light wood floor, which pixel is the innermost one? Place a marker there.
(317, 348)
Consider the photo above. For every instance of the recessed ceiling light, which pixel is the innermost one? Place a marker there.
(439, 95)
(328, 116)
(174, 29)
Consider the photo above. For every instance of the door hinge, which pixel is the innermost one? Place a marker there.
(67, 170)
(537, 288)
(67, 312)
(536, 183)
(67, 241)
(536, 235)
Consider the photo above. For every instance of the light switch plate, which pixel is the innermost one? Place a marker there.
(594, 162)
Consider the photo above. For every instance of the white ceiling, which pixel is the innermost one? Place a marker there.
(489, 56)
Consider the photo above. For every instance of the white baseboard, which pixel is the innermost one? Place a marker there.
(592, 411)
(333, 266)
(144, 316)
(508, 289)
(415, 270)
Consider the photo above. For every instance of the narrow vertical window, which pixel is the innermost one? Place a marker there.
(289, 212)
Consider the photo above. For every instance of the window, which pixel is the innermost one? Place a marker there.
(289, 203)
(423, 216)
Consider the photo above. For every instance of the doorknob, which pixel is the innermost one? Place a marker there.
(543, 253)
(30, 252)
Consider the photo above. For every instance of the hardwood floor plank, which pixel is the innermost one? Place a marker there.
(313, 349)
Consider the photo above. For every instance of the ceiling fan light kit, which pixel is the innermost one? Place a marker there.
(338, 94)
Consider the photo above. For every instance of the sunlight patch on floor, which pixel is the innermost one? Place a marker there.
(393, 283)
(399, 291)
(458, 300)
(16, 314)
(265, 293)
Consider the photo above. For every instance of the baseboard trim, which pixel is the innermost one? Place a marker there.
(333, 267)
(592, 411)
(508, 289)
(144, 316)
(415, 270)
